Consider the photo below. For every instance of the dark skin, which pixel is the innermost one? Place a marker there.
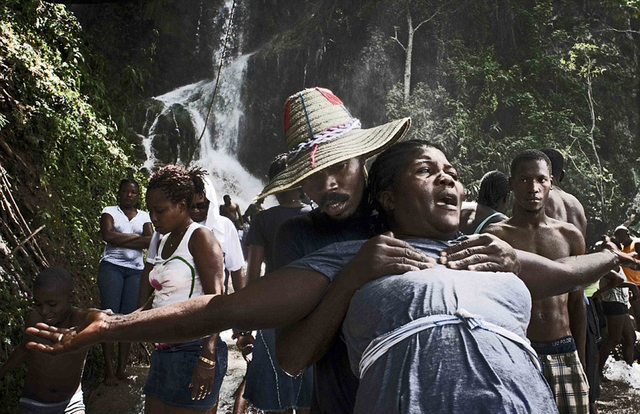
(199, 215)
(50, 379)
(231, 211)
(530, 229)
(565, 207)
(172, 219)
(128, 196)
(619, 327)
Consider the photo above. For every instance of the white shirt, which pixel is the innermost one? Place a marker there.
(125, 256)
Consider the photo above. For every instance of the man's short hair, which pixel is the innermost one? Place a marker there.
(529, 155)
(557, 161)
(53, 277)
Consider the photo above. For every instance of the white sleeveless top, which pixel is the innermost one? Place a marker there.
(175, 279)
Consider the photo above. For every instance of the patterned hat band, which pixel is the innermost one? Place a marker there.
(326, 136)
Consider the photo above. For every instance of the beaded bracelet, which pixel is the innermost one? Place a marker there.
(208, 361)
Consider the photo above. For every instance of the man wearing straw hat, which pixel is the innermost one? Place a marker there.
(327, 149)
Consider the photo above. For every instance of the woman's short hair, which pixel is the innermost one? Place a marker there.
(176, 183)
(493, 187)
(129, 180)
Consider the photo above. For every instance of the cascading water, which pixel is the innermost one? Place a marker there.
(172, 133)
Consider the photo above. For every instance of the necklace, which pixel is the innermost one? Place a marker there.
(172, 243)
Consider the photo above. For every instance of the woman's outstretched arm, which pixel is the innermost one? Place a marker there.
(280, 298)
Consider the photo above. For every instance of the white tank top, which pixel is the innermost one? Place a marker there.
(175, 279)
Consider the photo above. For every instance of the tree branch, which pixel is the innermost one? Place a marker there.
(430, 17)
(395, 37)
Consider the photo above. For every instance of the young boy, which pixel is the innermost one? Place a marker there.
(52, 385)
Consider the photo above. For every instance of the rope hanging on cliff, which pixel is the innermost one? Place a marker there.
(215, 89)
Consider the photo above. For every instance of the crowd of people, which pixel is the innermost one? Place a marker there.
(393, 295)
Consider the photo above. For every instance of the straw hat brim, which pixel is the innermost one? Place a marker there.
(367, 142)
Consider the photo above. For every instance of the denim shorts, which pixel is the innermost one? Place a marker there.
(268, 387)
(170, 374)
(119, 287)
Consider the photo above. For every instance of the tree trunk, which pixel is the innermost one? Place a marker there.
(407, 62)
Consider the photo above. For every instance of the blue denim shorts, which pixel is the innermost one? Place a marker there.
(119, 287)
(268, 387)
(170, 374)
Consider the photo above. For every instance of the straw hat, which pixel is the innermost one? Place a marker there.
(320, 132)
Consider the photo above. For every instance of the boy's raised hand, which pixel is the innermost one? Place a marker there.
(63, 340)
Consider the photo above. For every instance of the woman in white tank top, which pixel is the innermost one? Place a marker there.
(188, 264)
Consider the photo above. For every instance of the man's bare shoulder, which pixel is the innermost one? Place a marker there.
(501, 228)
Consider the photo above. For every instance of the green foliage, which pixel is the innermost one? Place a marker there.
(561, 80)
(56, 109)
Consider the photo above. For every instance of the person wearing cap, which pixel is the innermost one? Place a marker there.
(490, 205)
(630, 245)
(268, 387)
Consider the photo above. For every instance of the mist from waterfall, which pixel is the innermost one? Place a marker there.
(216, 151)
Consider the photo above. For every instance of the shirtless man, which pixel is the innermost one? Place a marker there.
(562, 205)
(231, 211)
(565, 207)
(530, 229)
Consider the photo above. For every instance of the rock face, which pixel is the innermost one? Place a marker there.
(487, 79)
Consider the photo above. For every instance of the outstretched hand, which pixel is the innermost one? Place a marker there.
(481, 252)
(63, 340)
(626, 259)
(385, 255)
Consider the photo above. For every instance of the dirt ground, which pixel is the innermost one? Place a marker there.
(616, 396)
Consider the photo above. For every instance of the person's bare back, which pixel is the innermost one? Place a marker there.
(565, 207)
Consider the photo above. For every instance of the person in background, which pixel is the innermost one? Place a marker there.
(268, 387)
(188, 264)
(630, 245)
(550, 329)
(614, 293)
(565, 207)
(252, 210)
(231, 211)
(204, 210)
(490, 206)
(53, 382)
(127, 231)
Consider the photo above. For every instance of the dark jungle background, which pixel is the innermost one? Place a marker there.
(94, 92)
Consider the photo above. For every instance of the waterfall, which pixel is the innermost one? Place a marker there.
(176, 120)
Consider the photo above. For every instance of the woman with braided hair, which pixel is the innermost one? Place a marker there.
(184, 377)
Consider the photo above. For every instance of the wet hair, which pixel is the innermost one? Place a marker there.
(384, 171)
(278, 165)
(176, 183)
(557, 161)
(493, 187)
(52, 277)
(125, 181)
(529, 155)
